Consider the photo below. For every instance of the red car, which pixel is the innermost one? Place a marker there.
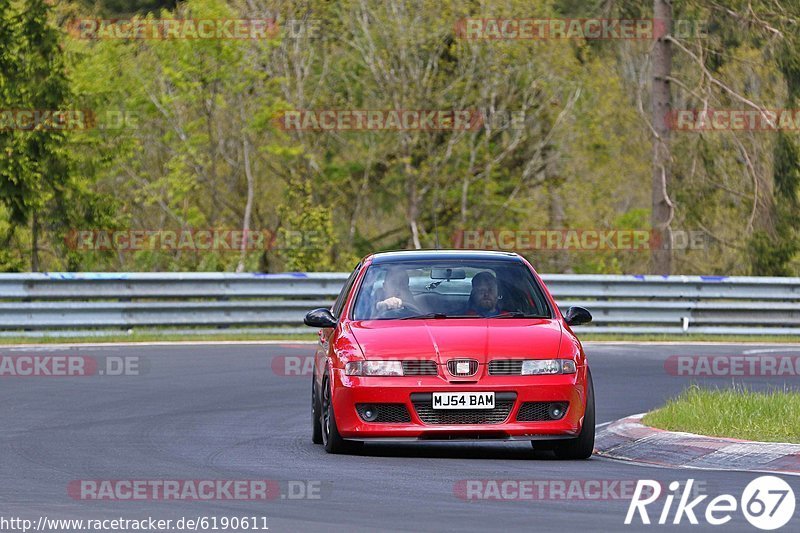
(443, 345)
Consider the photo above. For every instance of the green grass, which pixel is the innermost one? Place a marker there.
(736, 413)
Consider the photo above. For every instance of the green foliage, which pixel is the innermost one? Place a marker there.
(307, 230)
(186, 136)
(41, 191)
(774, 250)
(128, 7)
(770, 254)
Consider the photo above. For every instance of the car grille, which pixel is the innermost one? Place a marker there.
(505, 367)
(452, 365)
(419, 368)
(498, 415)
(388, 413)
(538, 411)
(504, 402)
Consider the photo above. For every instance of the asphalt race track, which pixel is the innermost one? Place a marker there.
(222, 412)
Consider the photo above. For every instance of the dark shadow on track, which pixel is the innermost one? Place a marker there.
(455, 450)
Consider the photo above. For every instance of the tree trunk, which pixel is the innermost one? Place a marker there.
(560, 262)
(248, 210)
(662, 212)
(412, 211)
(34, 243)
(413, 214)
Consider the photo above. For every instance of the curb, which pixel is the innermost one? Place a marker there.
(630, 440)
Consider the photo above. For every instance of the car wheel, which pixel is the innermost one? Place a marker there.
(334, 443)
(316, 422)
(582, 446)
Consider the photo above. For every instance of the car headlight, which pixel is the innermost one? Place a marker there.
(374, 368)
(532, 367)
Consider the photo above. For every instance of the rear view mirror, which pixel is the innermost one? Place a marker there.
(575, 316)
(448, 273)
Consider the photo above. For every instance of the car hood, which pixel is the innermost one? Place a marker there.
(443, 339)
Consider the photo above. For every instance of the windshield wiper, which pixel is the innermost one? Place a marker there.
(514, 314)
(518, 314)
(437, 315)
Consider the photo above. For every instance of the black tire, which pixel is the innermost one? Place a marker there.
(316, 423)
(333, 442)
(582, 446)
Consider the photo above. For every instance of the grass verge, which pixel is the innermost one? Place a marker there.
(737, 413)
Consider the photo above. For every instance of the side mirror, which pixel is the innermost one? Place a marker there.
(320, 318)
(575, 316)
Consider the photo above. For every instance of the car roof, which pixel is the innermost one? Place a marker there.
(427, 255)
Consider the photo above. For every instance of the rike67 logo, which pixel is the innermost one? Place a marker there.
(767, 502)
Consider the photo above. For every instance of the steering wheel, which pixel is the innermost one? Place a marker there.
(401, 312)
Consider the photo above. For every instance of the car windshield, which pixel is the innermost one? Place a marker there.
(449, 289)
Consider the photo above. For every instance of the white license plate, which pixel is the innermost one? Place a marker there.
(463, 400)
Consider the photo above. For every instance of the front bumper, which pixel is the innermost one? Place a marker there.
(350, 390)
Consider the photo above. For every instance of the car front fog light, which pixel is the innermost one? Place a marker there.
(369, 413)
(556, 411)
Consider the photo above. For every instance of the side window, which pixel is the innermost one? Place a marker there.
(337, 307)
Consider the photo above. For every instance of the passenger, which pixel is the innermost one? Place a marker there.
(484, 300)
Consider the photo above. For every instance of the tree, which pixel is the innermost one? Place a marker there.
(38, 187)
(774, 246)
(662, 210)
(567, 141)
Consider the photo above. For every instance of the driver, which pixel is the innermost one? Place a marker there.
(484, 300)
(395, 292)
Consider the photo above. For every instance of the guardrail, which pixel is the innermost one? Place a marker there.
(105, 303)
